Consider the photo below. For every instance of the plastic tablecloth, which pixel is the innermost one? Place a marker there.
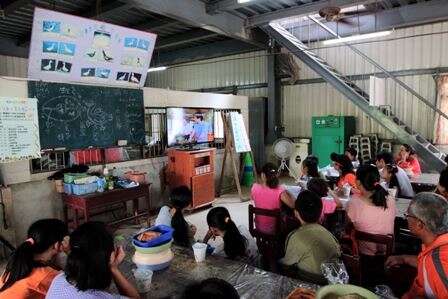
(249, 281)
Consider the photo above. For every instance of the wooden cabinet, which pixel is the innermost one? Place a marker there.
(196, 170)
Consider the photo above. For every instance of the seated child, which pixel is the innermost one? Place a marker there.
(180, 199)
(321, 189)
(29, 270)
(238, 243)
(310, 245)
(92, 264)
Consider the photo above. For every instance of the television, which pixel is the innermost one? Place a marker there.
(188, 126)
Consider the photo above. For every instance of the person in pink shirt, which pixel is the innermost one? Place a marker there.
(407, 159)
(321, 189)
(269, 195)
(373, 211)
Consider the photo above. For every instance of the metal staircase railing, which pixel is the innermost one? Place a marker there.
(429, 153)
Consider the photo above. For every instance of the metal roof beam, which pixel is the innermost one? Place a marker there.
(304, 9)
(193, 12)
(187, 37)
(208, 51)
(228, 5)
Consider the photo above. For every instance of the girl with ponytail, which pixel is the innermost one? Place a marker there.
(373, 211)
(29, 273)
(180, 199)
(238, 243)
(270, 195)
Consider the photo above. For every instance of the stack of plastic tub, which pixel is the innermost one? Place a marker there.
(154, 254)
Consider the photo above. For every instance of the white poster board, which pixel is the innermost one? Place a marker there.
(239, 133)
(19, 129)
(377, 91)
(66, 48)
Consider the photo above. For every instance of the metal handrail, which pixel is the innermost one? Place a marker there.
(370, 60)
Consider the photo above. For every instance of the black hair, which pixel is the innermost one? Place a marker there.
(446, 159)
(180, 198)
(311, 163)
(352, 151)
(42, 234)
(393, 170)
(443, 179)
(318, 186)
(386, 156)
(409, 149)
(369, 177)
(199, 115)
(309, 206)
(270, 171)
(235, 244)
(344, 162)
(91, 246)
(211, 288)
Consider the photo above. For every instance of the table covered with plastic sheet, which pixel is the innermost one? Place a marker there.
(249, 281)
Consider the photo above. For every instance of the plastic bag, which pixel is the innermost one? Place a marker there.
(335, 272)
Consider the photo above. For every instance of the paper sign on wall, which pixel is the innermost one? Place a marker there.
(66, 48)
(240, 138)
(19, 129)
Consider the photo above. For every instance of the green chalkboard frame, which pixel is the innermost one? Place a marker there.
(79, 116)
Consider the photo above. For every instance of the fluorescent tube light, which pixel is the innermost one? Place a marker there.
(157, 69)
(356, 37)
(243, 1)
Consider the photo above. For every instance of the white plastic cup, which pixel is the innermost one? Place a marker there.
(143, 278)
(347, 190)
(199, 250)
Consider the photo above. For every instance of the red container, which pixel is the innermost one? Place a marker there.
(114, 154)
(87, 156)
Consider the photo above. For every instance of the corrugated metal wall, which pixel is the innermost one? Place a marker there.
(248, 68)
(13, 66)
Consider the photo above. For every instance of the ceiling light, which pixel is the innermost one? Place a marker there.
(356, 37)
(157, 69)
(244, 1)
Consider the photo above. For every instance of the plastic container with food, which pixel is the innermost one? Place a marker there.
(153, 236)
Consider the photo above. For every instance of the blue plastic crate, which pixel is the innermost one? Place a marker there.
(166, 236)
(84, 188)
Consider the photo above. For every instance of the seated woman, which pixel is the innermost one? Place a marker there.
(352, 154)
(310, 245)
(442, 186)
(238, 242)
(344, 166)
(407, 159)
(29, 271)
(329, 204)
(373, 211)
(180, 199)
(92, 264)
(269, 195)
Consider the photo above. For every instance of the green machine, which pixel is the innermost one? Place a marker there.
(331, 134)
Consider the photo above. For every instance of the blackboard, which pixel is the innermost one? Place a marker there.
(79, 116)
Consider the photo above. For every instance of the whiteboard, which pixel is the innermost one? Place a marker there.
(66, 48)
(19, 129)
(239, 133)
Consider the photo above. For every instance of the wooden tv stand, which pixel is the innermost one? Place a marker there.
(196, 170)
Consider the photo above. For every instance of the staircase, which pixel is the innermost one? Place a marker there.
(433, 158)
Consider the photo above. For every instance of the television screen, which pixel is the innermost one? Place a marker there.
(189, 125)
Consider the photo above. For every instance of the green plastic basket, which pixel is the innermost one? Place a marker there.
(69, 178)
(152, 250)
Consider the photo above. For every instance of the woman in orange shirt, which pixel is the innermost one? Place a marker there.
(407, 159)
(28, 274)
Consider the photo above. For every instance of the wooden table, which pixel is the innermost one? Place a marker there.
(250, 282)
(85, 204)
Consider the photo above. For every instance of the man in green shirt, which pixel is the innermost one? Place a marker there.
(310, 245)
